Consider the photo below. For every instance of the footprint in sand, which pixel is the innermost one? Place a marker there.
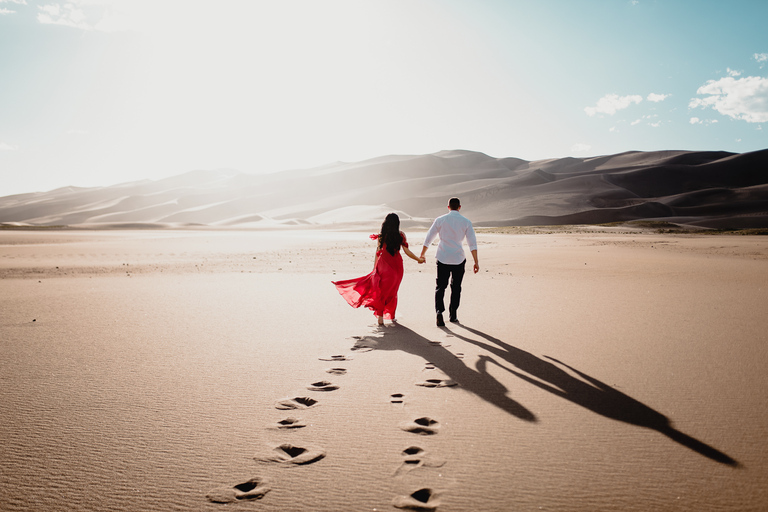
(287, 453)
(299, 402)
(397, 398)
(459, 355)
(437, 383)
(416, 457)
(424, 426)
(362, 346)
(336, 371)
(412, 453)
(336, 358)
(322, 385)
(290, 423)
(423, 499)
(253, 489)
(429, 366)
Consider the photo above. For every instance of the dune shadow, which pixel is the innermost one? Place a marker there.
(477, 382)
(585, 391)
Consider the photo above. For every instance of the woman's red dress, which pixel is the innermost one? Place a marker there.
(378, 290)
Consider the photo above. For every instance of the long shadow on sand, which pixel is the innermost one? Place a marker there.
(478, 381)
(585, 391)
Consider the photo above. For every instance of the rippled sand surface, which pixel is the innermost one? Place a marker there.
(589, 372)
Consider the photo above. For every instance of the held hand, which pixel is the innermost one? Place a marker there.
(421, 260)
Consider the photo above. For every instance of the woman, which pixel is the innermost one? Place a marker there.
(378, 290)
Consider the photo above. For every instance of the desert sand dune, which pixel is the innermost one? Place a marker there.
(704, 189)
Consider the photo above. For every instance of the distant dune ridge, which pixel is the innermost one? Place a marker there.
(694, 188)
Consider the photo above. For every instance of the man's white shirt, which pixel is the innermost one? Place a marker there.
(453, 228)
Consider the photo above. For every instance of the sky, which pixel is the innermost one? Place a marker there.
(100, 92)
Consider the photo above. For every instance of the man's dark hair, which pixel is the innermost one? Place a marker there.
(454, 203)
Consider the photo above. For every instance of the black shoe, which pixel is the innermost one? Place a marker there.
(454, 320)
(440, 322)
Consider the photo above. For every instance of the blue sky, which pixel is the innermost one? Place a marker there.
(98, 92)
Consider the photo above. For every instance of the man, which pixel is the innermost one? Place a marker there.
(453, 228)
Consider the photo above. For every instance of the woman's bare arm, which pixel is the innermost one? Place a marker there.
(411, 255)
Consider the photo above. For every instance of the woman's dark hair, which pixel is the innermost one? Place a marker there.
(390, 236)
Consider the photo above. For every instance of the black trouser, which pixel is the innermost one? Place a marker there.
(456, 274)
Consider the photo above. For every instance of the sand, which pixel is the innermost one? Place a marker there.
(696, 189)
(150, 370)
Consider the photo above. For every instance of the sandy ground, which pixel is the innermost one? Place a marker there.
(143, 370)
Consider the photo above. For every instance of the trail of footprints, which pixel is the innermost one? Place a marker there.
(285, 453)
(424, 499)
(414, 456)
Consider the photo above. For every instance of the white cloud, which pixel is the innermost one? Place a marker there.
(655, 98)
(7, 147)
(647, 118)
(706, 122)
(761, 57)
(745, 99)
(611, 103)
(100, 15)
(130, 15)
(580, 148)
(68, 15)
(733, 72)
(3, 10)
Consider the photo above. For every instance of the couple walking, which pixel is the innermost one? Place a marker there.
(378, 290)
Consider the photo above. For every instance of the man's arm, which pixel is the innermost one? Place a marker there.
(472, 242)
(431, 234)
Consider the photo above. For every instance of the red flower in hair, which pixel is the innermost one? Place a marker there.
(375, 236)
